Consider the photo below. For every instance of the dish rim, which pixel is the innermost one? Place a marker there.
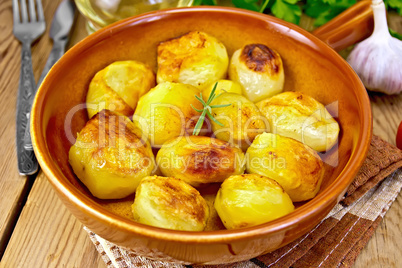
(301, 214)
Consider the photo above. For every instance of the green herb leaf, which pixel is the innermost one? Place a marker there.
(200, 121)
(220, 105)
(207, 109)
(247, 4)
(213, 119)
(199, 98)
(325, 10)
(197, 2)
(289, 12)
(209, 2)
(329, 2)
(314, 8)
(265, 4)
(197, 110)
(395, 4)
(292, 2)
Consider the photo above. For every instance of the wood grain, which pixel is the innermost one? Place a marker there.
(383, 249)
(387, 114)
(47, 235)
(12, 186)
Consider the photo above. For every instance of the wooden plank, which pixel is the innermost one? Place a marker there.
(387, 114)
(13, 187)
(48, 235)
(383, 249)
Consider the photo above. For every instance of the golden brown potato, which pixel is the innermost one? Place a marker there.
(165, 112)
(118, 87)
(199, 160)
(251, 199)
(169, 203)
(195, 58)
(222, 87)
(301, 117)
(242, 120)
(294, 165)
(111, 156)
(259, 70)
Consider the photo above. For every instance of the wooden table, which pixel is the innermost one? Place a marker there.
(36, 230)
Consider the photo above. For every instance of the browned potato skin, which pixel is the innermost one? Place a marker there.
(251, 199)
(118, 86)
(200, 160)
(111, 156)
(301, 117)
(242, 120)
(170, 203)
(195, 58)
(294, 165)
(259, 70)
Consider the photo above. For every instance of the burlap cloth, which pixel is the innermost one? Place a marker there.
(335, 242)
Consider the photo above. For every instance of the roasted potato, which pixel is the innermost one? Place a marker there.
(251, 199)
(118, 87)
(301, 117)
(165, 112)
(259, 70)
(111, 156)
(294, 165)
(169, 203)
(200, 160)
(241, 121)
(195, 58)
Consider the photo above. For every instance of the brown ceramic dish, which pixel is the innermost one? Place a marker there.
(311, 67)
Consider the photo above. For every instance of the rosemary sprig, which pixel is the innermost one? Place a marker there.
(207, 109)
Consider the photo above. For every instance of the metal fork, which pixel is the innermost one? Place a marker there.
(29, 24)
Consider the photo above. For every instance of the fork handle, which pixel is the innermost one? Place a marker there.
(57, 51)
(27, 163)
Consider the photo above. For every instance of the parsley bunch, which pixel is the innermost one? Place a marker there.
(291, 10)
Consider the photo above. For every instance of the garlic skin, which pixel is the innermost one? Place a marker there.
(378, 59)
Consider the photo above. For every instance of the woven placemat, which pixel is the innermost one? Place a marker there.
(335, 242)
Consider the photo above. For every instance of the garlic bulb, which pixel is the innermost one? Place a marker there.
(378, 59)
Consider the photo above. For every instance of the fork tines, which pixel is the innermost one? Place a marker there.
(21, 13)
